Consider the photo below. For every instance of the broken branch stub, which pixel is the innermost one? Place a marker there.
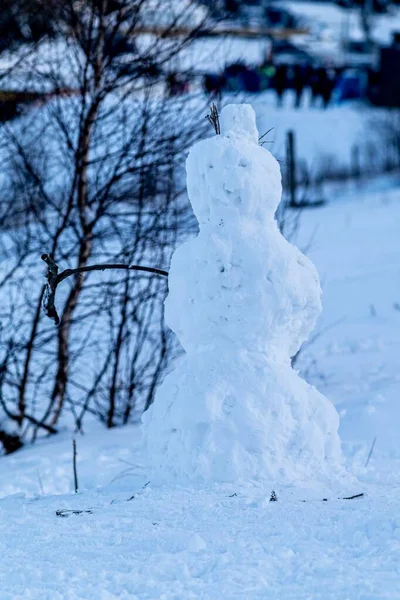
(49, 294)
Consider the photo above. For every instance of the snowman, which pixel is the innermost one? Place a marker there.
(242, 300)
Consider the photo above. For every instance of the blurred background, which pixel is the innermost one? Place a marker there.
(100, 101)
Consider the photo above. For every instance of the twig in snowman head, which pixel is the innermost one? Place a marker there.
(213, 118)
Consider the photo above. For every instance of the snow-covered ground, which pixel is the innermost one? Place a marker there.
(320, 134)
(355, 245)
(175, 543)
(180, 544)
(134, 540)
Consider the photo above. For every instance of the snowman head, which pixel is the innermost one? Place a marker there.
(231, 175)
(239, 120)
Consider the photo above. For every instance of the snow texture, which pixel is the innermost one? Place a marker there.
(208, 544)
(242, 300)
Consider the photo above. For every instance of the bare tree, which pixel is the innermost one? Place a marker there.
(93, 174)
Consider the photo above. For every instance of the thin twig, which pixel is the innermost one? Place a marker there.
(75, 470)
(315, 337)
(213, 118)
(261, 140)
(352, 497)
(342, 498)
(370, 452)
(40, 483)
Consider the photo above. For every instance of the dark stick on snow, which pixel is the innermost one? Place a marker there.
(74, 463)
(65, 512)
(344, 498)
(54, 278)
(370, 453)
(352, 497)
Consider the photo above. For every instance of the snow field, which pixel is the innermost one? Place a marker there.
(178, 543)
(175, 544)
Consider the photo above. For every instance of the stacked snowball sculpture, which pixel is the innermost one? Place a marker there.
(241, 300)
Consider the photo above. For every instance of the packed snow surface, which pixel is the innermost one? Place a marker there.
(242, 300)
(209, 544)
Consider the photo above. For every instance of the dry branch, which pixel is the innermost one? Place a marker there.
(54, 278)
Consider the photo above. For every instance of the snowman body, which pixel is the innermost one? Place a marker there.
(241, 300)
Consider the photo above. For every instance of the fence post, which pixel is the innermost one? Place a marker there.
(291, 166)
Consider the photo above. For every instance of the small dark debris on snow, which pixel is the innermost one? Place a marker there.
(134, 495)
(344, 498)
(67, 513)
(352, 497)
(232, 495)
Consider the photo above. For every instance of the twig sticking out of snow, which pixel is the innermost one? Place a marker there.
(213, 118)
(344, 498)
(262, 140)
(74, 464)
(352, 497)
(40, 483)
(370, 453)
